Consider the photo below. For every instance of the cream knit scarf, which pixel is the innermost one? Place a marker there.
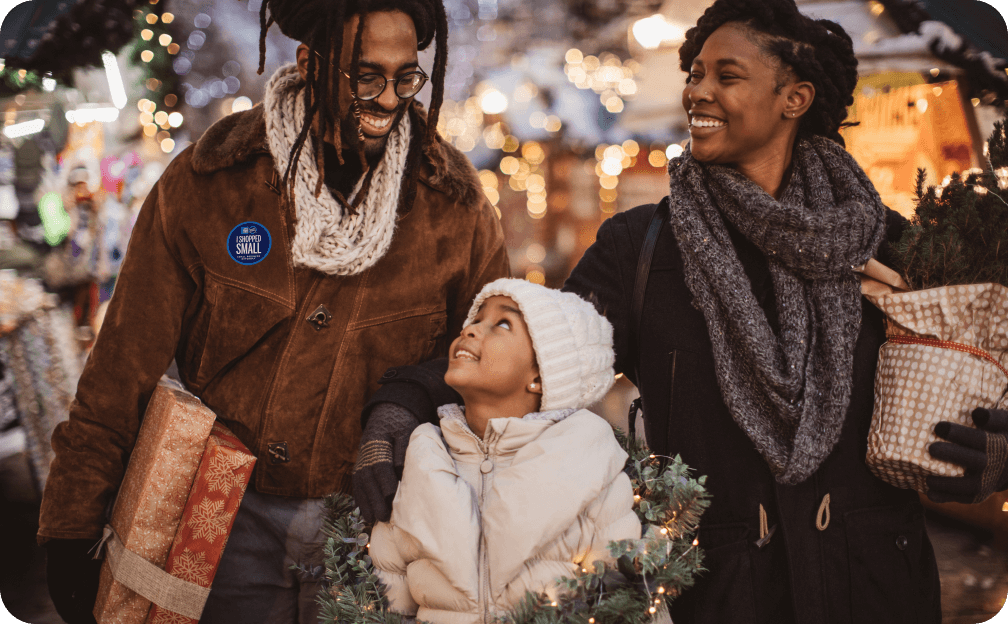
(327, 237)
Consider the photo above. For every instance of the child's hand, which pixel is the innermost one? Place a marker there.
(380, 459)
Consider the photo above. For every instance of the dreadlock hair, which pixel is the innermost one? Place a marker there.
(817, 51)
(319, 24)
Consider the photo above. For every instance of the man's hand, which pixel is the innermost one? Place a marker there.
(983, 452)
(72, 576)
(380, 459)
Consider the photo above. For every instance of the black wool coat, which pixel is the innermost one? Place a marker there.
(863, 556)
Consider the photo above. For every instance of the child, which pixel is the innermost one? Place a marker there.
(522, 485)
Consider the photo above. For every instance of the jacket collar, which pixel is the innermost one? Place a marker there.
(241, 136)
(503, 436)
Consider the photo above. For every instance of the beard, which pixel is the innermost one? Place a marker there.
(374, 147)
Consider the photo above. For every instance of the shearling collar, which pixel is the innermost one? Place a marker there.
(240, 136)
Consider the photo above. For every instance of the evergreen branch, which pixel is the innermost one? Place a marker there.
(959, 230)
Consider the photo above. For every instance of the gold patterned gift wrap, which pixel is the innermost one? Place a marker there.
(946, 354)
(224, 473)
(151, 499)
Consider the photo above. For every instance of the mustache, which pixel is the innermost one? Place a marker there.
(347, 119)
(379, 110)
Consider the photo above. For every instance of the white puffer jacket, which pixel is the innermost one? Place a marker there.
(477, 523)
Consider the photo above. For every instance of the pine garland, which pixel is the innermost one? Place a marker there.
(648, 572)
(351, 591)
(959, 232)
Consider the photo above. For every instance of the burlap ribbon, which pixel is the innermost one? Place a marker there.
(151, 582)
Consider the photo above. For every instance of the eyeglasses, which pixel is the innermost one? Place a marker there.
(371, 86)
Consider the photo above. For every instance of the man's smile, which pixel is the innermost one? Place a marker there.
(376, 124)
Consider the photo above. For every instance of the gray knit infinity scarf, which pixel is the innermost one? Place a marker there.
(788, 392)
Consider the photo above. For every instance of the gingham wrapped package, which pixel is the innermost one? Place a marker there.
(946, 354)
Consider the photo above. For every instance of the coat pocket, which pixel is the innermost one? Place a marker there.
(235, 321)
(408, 337)
(725, 592)
(886, 548)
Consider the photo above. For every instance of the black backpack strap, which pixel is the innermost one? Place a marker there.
(658, 219)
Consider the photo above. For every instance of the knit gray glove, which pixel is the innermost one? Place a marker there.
(983, 452)
(380, 459)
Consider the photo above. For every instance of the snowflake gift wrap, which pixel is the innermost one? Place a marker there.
(175, 507)
(221, 479)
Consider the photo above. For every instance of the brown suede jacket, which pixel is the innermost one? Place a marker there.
(240, 333)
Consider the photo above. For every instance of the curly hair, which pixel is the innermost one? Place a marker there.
(319, 25)
(817, 51)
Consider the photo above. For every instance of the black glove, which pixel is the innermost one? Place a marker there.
(983, 452)
(72, 576)
(380, 459)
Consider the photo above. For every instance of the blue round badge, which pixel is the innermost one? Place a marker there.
(248, 243)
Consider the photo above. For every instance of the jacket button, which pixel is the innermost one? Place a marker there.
(486, 466)
(901, 542)
(278, 452)
(319, 318)
(390, 373)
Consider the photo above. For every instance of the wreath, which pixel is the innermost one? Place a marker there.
(648, 572)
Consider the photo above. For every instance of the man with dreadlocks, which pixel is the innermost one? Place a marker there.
(293, 254)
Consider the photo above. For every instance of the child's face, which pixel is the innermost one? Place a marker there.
(493, 357)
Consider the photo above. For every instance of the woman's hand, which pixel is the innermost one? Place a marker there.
(983, 452)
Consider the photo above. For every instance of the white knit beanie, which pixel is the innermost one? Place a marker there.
(573, 343)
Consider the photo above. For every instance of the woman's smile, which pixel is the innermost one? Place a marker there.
(704, 125)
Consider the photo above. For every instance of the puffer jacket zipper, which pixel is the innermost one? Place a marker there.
(484, 559)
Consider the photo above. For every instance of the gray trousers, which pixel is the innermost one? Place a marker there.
(255, 582)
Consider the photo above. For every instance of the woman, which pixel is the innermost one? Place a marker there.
(758, 353)
(757, 342)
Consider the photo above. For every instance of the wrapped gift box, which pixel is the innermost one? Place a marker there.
(947, 353)
(153, 495)
(224, 472)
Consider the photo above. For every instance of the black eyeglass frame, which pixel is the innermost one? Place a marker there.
(396, 81)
